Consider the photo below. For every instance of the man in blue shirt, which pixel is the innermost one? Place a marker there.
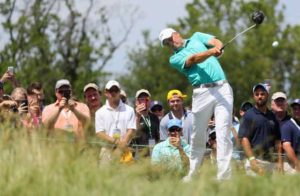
(260, 135)
(173, 153)
(197, 59)
(290, 136)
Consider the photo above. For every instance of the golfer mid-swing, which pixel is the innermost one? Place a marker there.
(196, 58)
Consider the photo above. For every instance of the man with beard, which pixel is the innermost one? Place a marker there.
(177, 111)
(260, 135)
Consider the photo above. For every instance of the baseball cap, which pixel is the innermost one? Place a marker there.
(112, 83)
(278, 95)
(62, 82)
(91, 85)
(122, 92)
(260, 85)
(165, 34)
(139, 92)
(174, 123)
(155, 103)
(295, 102)
(175, 92)
(246, 106)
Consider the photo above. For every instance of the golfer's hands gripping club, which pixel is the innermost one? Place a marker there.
(216, 51)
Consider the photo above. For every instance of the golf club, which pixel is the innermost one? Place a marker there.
(257, 17)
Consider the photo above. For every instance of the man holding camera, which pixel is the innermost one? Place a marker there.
(66, 114)
(147, 124)
(172, 153)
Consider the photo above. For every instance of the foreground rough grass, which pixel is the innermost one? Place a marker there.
(32, 166)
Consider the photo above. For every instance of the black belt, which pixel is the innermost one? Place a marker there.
(211, 85)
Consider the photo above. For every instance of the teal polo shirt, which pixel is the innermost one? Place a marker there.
(168, 155)
(208, 71)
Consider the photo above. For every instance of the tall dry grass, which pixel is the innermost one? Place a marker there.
(33, 165)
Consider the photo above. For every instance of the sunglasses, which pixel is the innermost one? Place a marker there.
(114, 90)
(64, 91)
(174, 129)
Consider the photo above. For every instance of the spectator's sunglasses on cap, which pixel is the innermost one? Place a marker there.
(157, 108)
(174, 128)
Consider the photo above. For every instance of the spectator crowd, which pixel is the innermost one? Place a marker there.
(261, 136)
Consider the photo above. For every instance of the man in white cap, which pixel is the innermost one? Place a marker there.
(147, 123)
(197, 59)
(279, 107)
(92, 96)
(66, 114)
(114, 123)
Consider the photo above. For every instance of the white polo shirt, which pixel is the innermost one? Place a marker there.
(107, 119)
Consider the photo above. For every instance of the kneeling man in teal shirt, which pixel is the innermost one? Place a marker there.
(174, 152)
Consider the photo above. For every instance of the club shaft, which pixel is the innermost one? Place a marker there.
(238, 36)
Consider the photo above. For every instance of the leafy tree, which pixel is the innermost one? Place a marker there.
(247, 61)
(49, 40)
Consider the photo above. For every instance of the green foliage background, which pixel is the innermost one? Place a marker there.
(44, 47)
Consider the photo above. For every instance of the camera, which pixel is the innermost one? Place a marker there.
(67, 94)
(14, 109)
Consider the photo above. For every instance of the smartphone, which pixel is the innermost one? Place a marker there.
(143, 101)
(24, 102)
(10, 70)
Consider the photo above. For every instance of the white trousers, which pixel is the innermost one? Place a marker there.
(207, 101)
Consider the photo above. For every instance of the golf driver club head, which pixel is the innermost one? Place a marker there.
(258, 17)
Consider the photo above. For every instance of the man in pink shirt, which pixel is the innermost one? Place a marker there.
(66, 114)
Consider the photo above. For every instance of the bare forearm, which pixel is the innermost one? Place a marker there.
(291, 155)
(215, 42)
(103, 136)
(129, 135)
(247, 147)
(279, 152)
(185, 159)
(84, 119)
